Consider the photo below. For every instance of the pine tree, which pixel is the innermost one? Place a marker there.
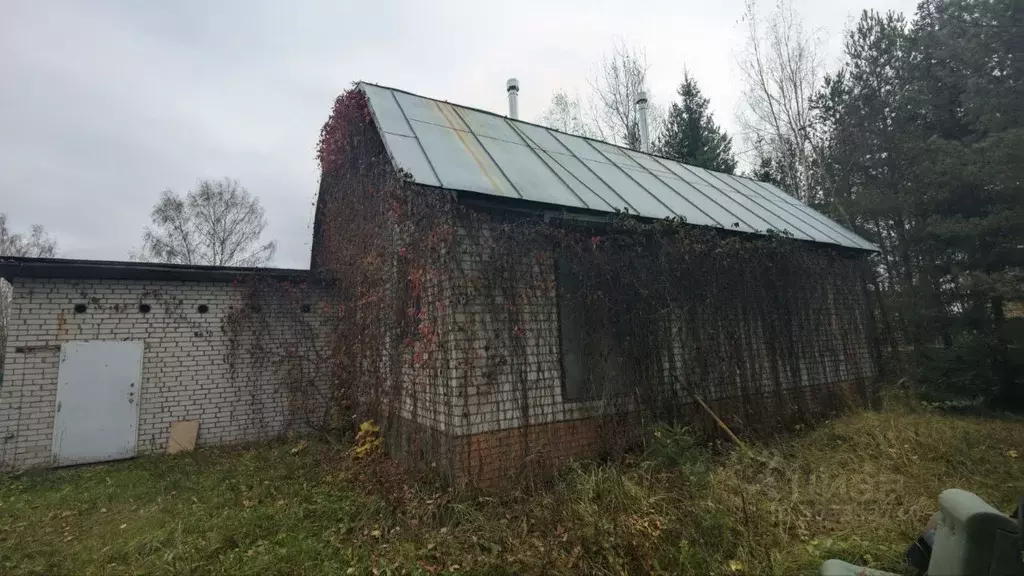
(970, 77)
(691, 135)
(921, 145)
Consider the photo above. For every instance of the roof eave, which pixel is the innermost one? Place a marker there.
(13, 268)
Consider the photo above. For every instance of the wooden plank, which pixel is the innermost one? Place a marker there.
(183, 436)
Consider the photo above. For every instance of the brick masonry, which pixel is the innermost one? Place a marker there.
(480, 388)
(508, 409)
(469, 375)
(188, 373)
(491, 459)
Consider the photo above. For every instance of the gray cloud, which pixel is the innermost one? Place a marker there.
(105, 104)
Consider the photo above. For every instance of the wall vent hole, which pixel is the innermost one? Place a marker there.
(80, 308)
(144, 308)
(202, 309)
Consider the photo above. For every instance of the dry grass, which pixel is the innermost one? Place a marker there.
(858, 488)
(862, 487)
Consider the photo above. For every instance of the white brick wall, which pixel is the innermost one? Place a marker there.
(186, 371)
(495, 388)
(489, 394)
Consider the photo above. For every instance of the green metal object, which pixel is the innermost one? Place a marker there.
(971, 538)
(974, 538)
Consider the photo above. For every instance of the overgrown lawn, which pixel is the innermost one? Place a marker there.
(858, 488)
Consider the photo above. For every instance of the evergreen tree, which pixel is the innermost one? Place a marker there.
(690, 134)
(970, 86)
(920, 149)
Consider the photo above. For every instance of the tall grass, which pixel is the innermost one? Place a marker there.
(858, 488)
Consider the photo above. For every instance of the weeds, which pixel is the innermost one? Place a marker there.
(858, 488)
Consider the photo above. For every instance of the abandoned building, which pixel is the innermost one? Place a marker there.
(498, 295)
(526, 296)
(102, 358)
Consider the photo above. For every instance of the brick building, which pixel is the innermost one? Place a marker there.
(503, 297)
(507, 362)
(173, 314)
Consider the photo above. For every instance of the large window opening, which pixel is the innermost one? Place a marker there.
(592, 333)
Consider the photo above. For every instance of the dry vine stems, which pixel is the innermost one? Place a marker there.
(445, 321)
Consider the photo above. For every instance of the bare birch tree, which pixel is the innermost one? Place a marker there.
(217, 224)
(36, 244)
(781, 69)
(609, 112)
(567, 114)
(619, 79)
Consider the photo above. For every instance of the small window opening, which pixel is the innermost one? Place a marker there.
(413, 287)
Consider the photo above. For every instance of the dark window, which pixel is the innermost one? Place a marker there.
(572, 326)
(592, 360)
(414, 308)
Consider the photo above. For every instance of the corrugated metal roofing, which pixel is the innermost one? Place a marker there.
(459, 148)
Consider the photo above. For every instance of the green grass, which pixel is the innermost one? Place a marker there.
(858, 488)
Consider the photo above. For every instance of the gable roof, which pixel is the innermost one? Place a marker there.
(465, 149)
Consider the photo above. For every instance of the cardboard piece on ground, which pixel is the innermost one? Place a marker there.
(183, 436)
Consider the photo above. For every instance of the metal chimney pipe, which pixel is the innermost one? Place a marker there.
(513, 98)
(641, 110)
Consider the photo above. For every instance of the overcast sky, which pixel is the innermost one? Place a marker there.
(103, 104)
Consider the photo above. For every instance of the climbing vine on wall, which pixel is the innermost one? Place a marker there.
(281, 335)
(447, 315)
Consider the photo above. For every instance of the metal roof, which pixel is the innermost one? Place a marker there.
(460, 148)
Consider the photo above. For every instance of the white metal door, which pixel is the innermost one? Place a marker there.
(97, 401)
